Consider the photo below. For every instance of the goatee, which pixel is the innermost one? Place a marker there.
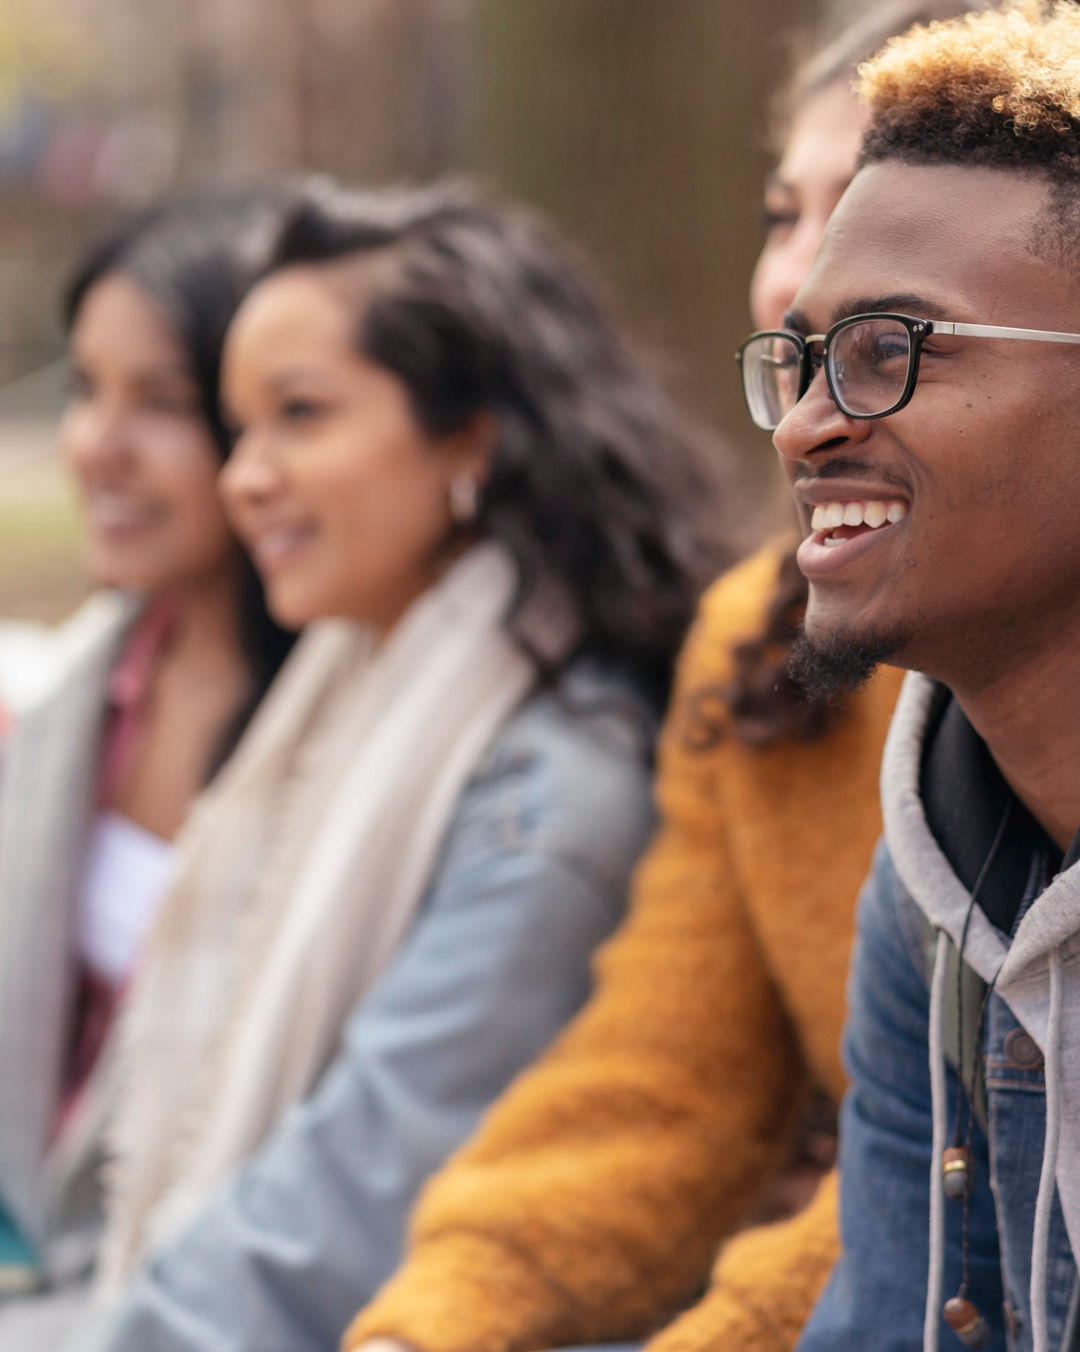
(837, 664)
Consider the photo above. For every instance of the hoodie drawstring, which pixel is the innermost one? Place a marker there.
(1047, 1178)
(939, 1101)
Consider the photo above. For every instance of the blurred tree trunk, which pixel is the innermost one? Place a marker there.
(639, 125)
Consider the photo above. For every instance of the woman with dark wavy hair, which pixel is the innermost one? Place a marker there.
(582, 469)
(453, 472)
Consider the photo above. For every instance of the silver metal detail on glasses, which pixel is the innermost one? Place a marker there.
(871, 362)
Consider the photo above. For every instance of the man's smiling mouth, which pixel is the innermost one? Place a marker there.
(840, 521)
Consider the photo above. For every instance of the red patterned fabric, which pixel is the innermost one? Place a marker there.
(96, 1000)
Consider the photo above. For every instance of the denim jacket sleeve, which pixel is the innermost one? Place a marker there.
(876, 1296)
(532, 878)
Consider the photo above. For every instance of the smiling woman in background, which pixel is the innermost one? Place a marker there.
(453, 471)
(153, 684)
(593, 1201)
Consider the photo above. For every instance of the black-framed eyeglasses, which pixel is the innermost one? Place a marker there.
(871, 363)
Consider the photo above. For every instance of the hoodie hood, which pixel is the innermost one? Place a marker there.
(1036, 974)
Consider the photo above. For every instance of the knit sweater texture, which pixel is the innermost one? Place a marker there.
(596, 1194)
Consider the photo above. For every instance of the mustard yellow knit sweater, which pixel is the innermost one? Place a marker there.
(590, 1203)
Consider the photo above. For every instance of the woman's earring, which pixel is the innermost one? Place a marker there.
(464, 500)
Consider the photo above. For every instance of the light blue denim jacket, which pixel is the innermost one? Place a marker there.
(532, 877)
(902, 1238)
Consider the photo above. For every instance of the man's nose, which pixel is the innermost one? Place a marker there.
(816, 423)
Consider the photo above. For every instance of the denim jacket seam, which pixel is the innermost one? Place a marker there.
(1017, 1302)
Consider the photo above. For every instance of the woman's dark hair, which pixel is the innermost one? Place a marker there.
(194, 259)
(766, 700)
(595, 480)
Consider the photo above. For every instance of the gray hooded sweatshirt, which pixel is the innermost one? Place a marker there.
(1036, 973)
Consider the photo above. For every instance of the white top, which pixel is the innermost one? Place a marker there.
(127, 870)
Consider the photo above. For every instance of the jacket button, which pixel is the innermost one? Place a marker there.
(1021, 1051)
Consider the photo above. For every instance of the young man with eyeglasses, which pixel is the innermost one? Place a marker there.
(925, 401)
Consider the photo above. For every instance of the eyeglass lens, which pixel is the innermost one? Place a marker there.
(868, 362)
(868, 368)
(771, 371)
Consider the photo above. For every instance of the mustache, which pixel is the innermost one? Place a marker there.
(842, 467)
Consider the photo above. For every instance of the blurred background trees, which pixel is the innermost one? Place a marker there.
(639, 125)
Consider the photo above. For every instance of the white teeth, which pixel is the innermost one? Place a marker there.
(831, 540)
(828, 516)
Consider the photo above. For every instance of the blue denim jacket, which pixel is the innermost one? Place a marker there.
(902, 1237)
(532, 877)
(876, 1295)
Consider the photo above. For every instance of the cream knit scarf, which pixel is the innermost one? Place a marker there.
(298, 872)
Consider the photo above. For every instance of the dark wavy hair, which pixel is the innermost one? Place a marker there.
(595, 479)
(766, 700)
(194, 259)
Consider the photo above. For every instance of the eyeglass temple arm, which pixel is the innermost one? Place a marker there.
(996, 331)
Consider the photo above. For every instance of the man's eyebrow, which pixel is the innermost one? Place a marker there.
(900, 302)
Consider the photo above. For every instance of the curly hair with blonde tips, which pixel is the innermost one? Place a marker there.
(998, 89)
(826, 57)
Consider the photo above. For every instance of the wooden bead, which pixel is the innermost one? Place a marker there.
(966, 1322)
(956, 1169)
